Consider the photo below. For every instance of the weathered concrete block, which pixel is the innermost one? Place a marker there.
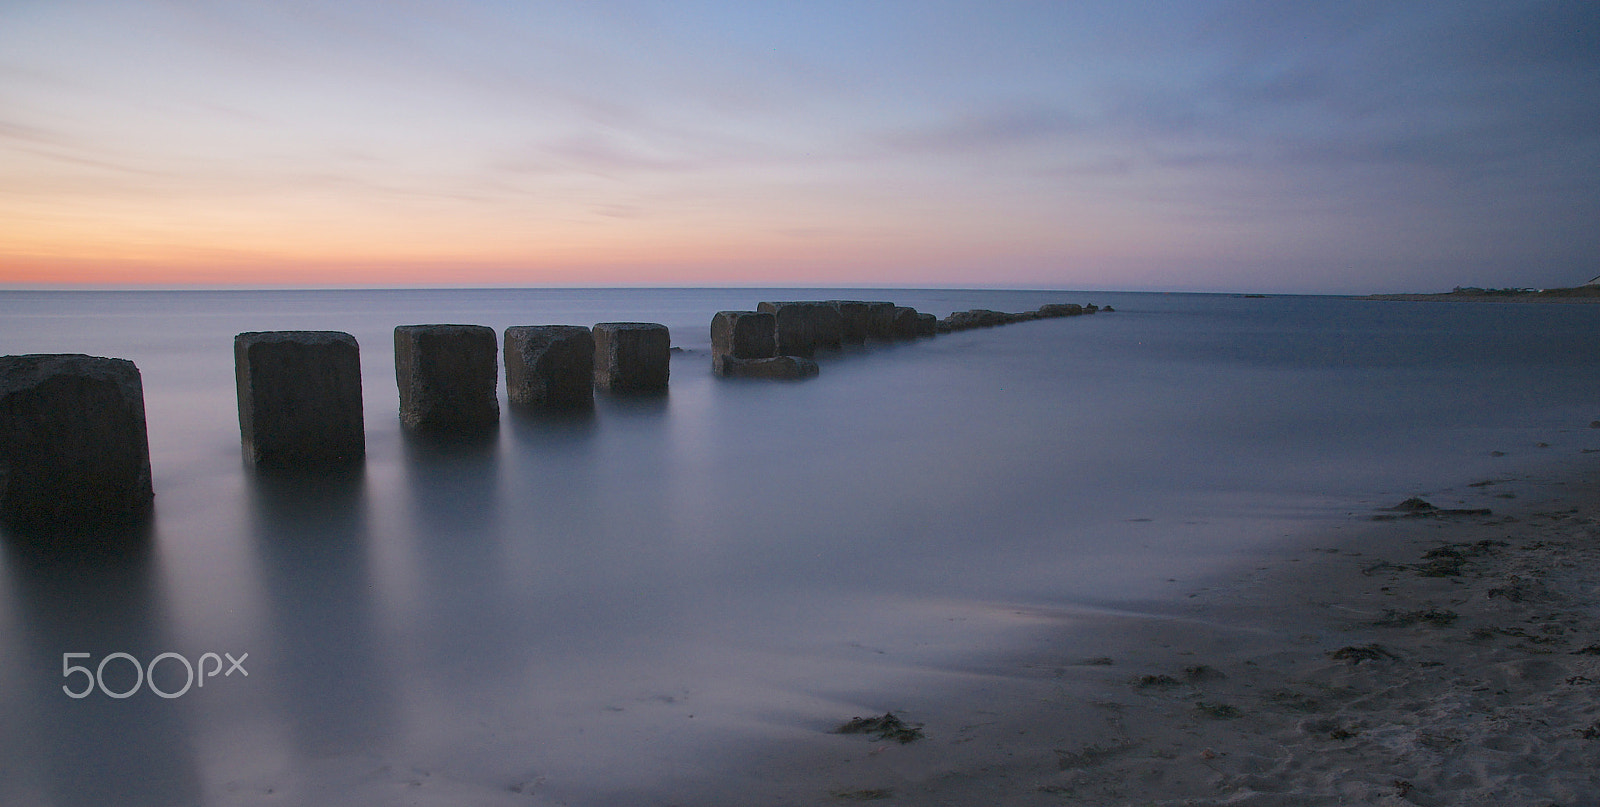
(903, 323)
(448, 377)
(880, 320)
(927, 325)
(550, 366)
(74, 453)
(827, 326)
(781, 367)
(742, 335)
(299, 398)
(854, 320)
(1060, 310)
(794, 328)
(632, 356)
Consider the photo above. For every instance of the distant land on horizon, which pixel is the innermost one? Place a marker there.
(1588, 293)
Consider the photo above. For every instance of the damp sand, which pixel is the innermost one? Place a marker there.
(1404, 658)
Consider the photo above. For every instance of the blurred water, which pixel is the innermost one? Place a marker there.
(588, 606)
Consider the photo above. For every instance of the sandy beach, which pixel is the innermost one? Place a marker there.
(1408, 656)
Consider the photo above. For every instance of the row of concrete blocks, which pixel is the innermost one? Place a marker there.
(300, 391)
(74, 451)
(779, 339)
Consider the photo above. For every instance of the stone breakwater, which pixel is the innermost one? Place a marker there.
(781, 339)
(75, 459)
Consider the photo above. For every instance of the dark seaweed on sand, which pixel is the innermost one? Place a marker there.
(1147, 681)
(871, 794)
(1438, 617)
(887, 727)
(1218, 711)
(1357, 654)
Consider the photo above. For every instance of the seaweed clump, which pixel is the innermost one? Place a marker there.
(1357, 654)
(1438, 617)
(889, 726)
(1218, 711)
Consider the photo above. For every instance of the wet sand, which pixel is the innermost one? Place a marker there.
(1406, 657)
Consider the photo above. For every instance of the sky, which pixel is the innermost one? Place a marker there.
(1197, 145)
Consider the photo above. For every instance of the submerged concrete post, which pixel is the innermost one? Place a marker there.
(1060, 310)
(632, 356)
(783, 367)
(299, 398)
(793, 327)
(854, 320)
(550, 366)
(74, 452)
(742, 335)
(976, 318)
(448, 376)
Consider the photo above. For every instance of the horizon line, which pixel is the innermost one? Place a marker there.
(4, 288)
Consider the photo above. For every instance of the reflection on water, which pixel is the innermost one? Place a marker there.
(453, 487)
(98, 749)
(593, 602)
(311, 536)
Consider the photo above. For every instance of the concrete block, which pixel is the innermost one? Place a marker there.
(827, 326)
(448, 377)
(742, 335)
(880, 320)
(927, 325)
(74, 452)
(854, 320)
(794, 328)
(299, 399)
(550, 366)
(903, 323)
(632, 356)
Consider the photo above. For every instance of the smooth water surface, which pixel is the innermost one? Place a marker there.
(588, 609)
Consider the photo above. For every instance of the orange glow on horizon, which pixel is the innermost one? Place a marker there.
(175, 244)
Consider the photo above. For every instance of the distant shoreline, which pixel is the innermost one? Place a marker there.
(1579, 294)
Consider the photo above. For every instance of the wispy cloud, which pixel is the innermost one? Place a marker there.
(962, 133)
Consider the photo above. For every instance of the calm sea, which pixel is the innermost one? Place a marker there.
(589, 610)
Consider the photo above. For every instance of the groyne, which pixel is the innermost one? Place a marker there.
(74, 455)
(781, 339)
